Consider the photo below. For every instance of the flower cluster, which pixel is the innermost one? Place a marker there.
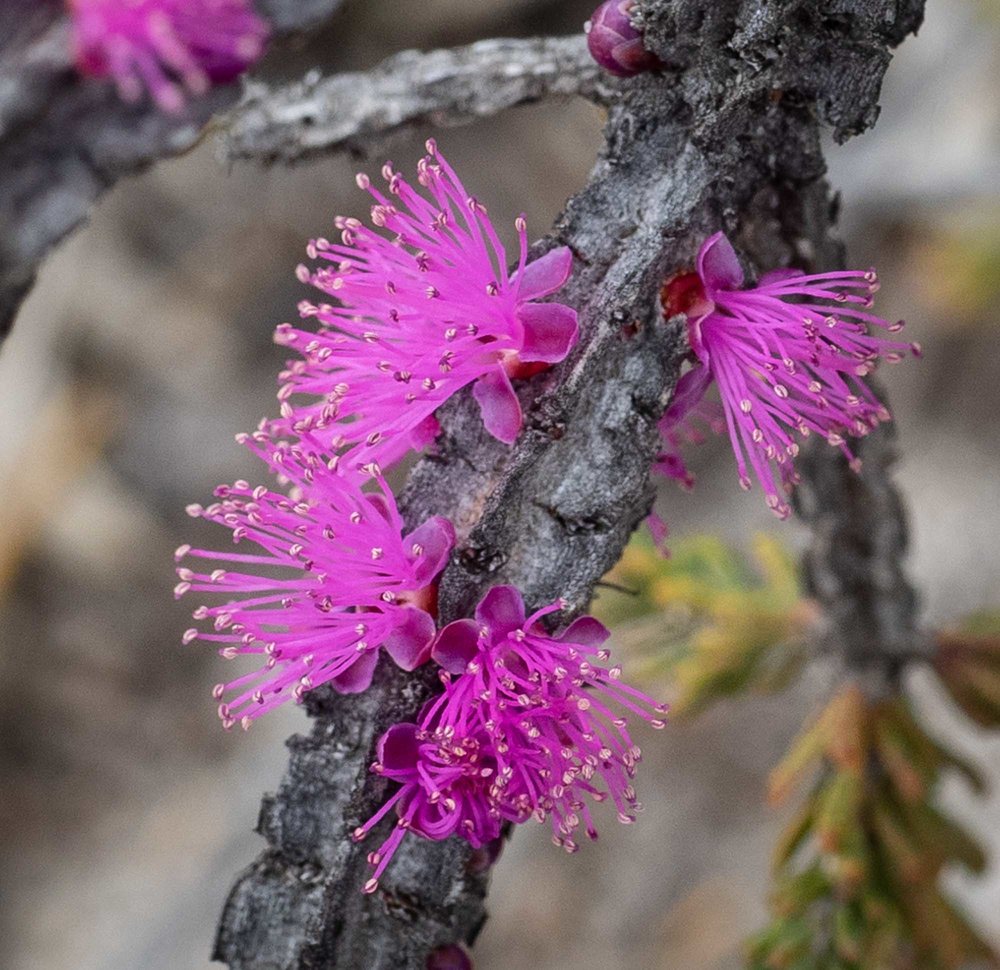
(528, 726)
(424, 307)
(788, 356)
(167, 47)
(332, 578)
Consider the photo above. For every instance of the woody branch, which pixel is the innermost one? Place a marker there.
(726, 136)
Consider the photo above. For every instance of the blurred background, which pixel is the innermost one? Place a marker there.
(146, 345)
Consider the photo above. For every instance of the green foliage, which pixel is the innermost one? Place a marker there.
(857, 870)
(709, 620)
(990, 10)
(963, 257)
(968, 663)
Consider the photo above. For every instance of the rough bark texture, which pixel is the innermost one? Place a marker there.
(64, 141)
(437, 89)
(853, 566)
(727, 137)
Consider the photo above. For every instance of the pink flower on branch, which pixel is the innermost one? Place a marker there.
(425, 306)
(788, 355)
(167, 47)
(446, 767)
(529, 726)
(330, 580)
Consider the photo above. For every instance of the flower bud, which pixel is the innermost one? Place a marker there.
(615, 44)
(451, 957)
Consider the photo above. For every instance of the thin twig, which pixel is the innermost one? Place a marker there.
(441, 88)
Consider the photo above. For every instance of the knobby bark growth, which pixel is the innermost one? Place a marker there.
(726, 136)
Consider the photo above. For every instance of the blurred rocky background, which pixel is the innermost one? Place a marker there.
(126, 811)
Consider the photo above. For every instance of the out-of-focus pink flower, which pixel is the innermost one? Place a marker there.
(166, 46)
(685, 422)
(451, 957)
(529, 726)
(331, 580)
(615, 44)
(424, 306)
(788, 355)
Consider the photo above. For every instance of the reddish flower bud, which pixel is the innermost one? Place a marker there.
(451, 957)
(615, 44)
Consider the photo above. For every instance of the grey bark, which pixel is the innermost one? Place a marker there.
(64, 140)
(727, 136)
(854, 563)
(437, 89)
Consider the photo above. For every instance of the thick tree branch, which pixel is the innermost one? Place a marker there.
(441, 88)
(727, 138)
(64, 140)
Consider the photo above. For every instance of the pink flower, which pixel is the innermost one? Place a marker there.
(615, 44)
(331, 580)
(166, 46)
(446, 767)
(424, 307)
(528, 726)
(788, 355)
(684, 423)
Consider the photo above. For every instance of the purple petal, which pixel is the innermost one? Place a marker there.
(436, 537)
(456, 645)
(424, 433)
(358, 677)
(632, 58)
(502, 610)
(381, 505)
(433, 821)
(499, 405)
(719, 266)
(399, 748)
(690, 390)
(659, 531)
(545, 275)
(409, 644)
(586, 631)
(550, 331)
(671, 464)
